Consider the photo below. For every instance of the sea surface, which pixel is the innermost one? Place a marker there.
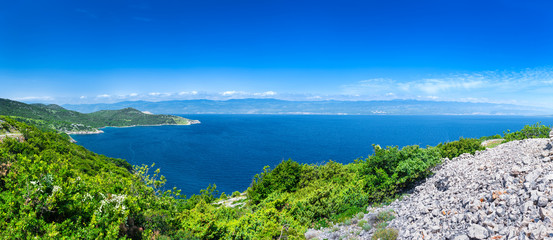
(228, 150)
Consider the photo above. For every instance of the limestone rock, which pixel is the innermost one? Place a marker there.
(478, 232)
(505, 192)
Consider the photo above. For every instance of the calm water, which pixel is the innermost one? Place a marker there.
(229, 150)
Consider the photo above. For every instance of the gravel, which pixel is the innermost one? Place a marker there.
(504, 192)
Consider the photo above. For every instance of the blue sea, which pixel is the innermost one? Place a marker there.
(228, 150)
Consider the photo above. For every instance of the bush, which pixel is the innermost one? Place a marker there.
(385, 234)
(536, 130)
(385, 216)
(497, 136)
(463, 145)
(366, 226)
(390, 170)
(235, 194)
(285, 177)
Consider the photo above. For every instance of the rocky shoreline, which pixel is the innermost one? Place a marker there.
(190, 122)
(98, 131)
(504, 192)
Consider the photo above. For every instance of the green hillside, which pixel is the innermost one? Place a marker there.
(51, 188)
(55, 117)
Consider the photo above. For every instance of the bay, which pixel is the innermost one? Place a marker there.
(228, 150)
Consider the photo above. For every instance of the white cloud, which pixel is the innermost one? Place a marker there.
(229, 93)
(35, 98)
(103, 96)
(133, 94)
(82, 97)
(433, 86)
(527, 86)
(154, 94)
(188, 93)
(265, 94)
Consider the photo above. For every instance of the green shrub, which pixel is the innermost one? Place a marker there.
(285, 177)
(366, 226)
(536, 130)
(463, 145)
(235, 194)
(360, 215)
(390, 170)
(385, 234)
(385, 216)
(497, 136)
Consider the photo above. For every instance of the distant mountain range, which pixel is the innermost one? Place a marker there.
(275, 106)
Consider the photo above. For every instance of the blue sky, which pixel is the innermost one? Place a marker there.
(109, 51)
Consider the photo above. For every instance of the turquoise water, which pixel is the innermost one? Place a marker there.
(228, 150)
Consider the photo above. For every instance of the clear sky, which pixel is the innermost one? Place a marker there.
(107, 51)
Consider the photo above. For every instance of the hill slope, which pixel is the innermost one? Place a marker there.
(52, 189)
(58, 118)
(501, 193)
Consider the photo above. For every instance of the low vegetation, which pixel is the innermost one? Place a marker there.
(463, 145)
(51, 188)
(536, 130)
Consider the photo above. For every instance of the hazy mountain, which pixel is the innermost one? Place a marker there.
(274, 106)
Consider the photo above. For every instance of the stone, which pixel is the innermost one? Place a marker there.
(542, 201)
(546, 215)
(442, 184)
(459, 237)
(511, 197)
(311, 233)
(478, 232)
(527, 205)
(500, 212)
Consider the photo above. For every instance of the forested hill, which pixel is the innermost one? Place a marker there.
(60, 119)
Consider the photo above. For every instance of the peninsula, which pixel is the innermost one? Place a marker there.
(57, 118)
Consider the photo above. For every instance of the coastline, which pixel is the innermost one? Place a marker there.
(190, 122)
(99, 130)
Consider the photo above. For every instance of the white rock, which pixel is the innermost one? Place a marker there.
(478, 232)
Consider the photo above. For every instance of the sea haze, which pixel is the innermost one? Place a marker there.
(228, 150)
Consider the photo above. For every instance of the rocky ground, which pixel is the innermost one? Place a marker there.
(237, 201)
(504, 192)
